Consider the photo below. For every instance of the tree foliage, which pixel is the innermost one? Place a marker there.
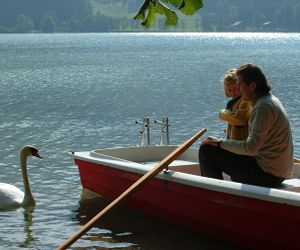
(151, 8)
(24, 24)
(117, 15)
(48, 24)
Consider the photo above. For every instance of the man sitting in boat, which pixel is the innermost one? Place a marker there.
(265, 158)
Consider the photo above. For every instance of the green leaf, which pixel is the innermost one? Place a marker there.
(171, 17)
(175, 3)
(151, 17)
(142, 12)
(190, 7)
(150, 8)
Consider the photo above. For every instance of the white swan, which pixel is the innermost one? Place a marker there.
(12, 197)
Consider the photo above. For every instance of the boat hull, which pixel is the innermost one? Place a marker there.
(245, 221)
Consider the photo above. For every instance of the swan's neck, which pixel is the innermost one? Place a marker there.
(28, 199)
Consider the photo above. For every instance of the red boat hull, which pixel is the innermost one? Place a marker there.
(241, 220)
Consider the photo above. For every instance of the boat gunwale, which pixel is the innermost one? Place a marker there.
(234, 188)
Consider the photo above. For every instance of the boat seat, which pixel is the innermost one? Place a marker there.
(193, 168)
(291, 185)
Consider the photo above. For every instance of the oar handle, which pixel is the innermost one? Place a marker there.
(153, 172)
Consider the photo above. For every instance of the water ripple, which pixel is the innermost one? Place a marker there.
(71, 92)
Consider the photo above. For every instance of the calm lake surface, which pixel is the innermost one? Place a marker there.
(76, 92)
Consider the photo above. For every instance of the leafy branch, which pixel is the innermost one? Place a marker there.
(149, 10)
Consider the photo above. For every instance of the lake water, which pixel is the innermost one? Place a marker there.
(75, 92)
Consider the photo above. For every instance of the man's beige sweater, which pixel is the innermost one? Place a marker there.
(270, 138)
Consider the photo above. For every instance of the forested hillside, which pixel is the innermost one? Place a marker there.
(251, 15)
(21, 16)
(42, 15)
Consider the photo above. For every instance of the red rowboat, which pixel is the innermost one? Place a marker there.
(247, 215)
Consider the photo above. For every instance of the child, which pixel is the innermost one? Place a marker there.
(237, 111)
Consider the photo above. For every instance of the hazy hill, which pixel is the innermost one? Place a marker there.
(117, 15)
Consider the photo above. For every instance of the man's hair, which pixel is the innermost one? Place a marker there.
(252, 73)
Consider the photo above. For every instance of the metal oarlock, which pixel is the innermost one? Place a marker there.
(164, 131)
(146, 132)
(145, 129)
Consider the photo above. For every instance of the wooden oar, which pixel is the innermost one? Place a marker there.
(296, 160)
(153, 172)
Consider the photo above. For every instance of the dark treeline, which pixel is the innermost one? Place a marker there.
(21, 16)
(251, 15)
(28, 15)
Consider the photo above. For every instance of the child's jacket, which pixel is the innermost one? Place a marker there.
(237, 115)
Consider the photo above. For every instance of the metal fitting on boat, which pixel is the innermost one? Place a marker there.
(164, 131)
(145, 131)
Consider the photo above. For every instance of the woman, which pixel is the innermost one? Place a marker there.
(266, 157)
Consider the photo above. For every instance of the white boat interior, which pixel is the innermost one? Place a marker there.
(141, 159)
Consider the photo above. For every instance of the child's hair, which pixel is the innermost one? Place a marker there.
(229, 78)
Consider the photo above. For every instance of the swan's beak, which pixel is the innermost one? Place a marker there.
(36, 154)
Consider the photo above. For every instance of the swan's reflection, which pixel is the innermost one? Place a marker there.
(107, 233)
(28, 222)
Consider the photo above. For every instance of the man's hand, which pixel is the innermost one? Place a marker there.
(212, 140)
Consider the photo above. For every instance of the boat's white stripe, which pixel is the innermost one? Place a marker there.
(262, 193)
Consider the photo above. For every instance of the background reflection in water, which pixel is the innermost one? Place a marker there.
(129, 229)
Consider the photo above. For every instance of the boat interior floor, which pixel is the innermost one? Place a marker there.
(194, 169)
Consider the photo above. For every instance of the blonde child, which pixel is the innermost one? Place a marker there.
(237, 111)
